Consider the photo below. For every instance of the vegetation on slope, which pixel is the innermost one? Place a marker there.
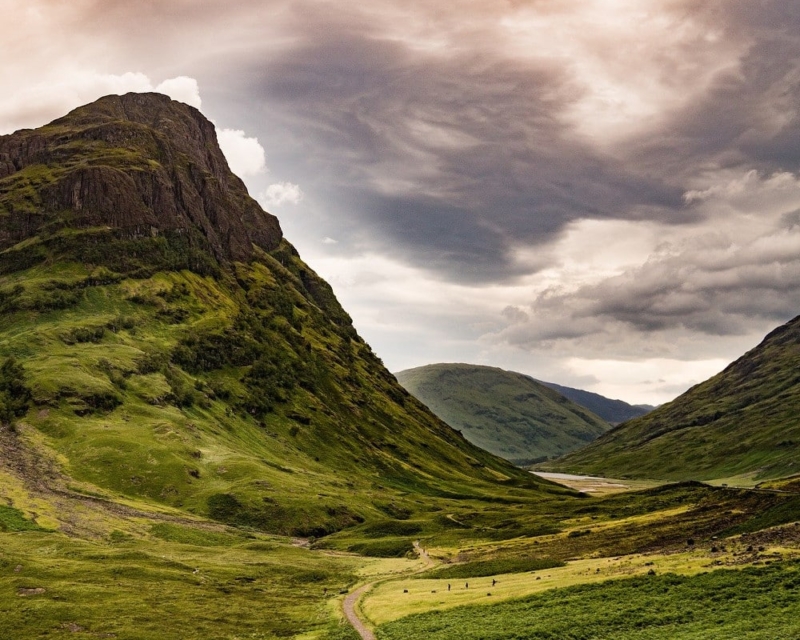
(755, 603)
(176, 349)
(745, 420)
(507, 413)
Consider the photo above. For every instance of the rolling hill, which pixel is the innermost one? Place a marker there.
(162, 341)
(612, 411)
(745, 421)
(507, 413)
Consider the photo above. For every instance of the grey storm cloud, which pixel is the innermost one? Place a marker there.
(705, 289)
(458, 159)
(455, 161)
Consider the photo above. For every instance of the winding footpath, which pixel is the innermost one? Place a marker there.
(352, 617)
(351, 601)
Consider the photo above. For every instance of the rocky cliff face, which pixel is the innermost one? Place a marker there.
(138, 165)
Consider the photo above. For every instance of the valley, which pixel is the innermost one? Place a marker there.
(197, 443)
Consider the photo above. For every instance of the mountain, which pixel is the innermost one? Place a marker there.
(743, 421)
(612, 411)
(507, 413)
(162, 342)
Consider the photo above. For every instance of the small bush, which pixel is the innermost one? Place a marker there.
(82, 335)
(15, 397)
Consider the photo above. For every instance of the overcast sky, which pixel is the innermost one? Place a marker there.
(600, 193)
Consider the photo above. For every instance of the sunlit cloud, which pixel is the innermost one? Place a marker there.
(281, 193)
(182, 89)
(36, 104)
(245, 155)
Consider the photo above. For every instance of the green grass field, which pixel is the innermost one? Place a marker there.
(219, 585)
(760, 603)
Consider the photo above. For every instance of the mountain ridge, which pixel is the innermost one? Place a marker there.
(611, 410)
(140, 164)
(745, 421)
(507, 413)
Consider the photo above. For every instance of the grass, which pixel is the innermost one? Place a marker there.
(755, 603)
(119, 393)
(470, 583)
(53, 586)
(493, 567)
(12, 519)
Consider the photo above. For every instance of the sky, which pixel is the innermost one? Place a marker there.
(599, 193)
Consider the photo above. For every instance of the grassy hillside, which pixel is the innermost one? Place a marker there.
(745, 421)
(612, 411)
(507, 413)
(181, 365)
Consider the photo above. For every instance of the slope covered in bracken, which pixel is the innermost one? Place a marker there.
(743, 421)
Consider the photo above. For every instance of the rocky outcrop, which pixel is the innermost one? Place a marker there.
(140, 165)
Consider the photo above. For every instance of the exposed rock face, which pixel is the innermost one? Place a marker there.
(140, 165)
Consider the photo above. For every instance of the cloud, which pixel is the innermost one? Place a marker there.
(182, 89)
(36, 104)
(245, 156)
(734, 275)
(39, 103)
(280, 193)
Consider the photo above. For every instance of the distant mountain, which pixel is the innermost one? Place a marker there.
(506, 413)
(745, 420)
(612, 411)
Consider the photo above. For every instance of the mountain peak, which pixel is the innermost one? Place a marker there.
(128, 167)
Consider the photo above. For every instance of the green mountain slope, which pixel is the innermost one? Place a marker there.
(745, 420)
(612, 411)
(507, 413)
(177, 350)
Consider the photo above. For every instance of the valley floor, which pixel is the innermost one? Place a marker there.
(680, 561)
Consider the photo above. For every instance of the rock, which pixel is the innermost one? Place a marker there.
(139, 165)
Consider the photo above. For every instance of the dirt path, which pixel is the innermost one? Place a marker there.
(352, 599)
(350, 612)
(422, 554)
